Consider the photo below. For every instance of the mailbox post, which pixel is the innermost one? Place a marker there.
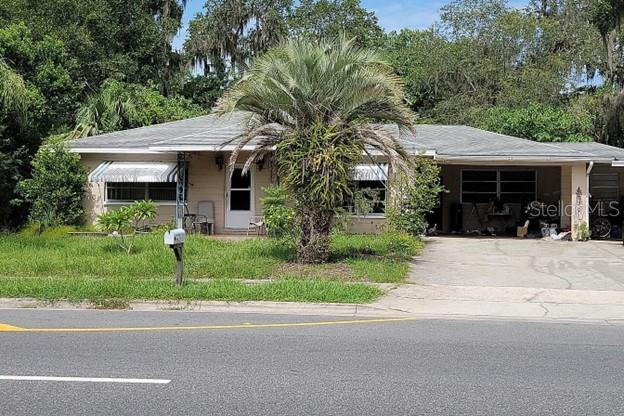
(175, 240)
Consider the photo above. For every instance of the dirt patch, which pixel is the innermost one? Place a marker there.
(334, 271)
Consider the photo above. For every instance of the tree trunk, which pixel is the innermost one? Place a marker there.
(315, 236)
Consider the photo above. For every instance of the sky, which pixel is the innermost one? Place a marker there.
(392, 14)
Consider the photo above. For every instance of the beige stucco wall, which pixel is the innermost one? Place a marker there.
(95, 195)
(206, 183)
(366, 225)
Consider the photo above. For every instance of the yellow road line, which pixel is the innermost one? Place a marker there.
(9, 328)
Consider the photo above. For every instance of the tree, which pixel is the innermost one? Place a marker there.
(231, 32)
(13, 92)
(413, 200)
(125, 40)
(540, 123)
(317, 105)
(121, 106)
(607, 15)
(14, 101)
(329, 19)
(56, 188)
(204, 90)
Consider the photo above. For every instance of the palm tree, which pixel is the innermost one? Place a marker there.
(13, 92)
(321, 108)
(109, 110)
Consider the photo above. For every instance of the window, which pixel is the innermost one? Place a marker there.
(133, 191)
(372, 191)
(479, 185)
(506, 186)
(517, 186)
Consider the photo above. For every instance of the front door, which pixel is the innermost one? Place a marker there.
(239, 198)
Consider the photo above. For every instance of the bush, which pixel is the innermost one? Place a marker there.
(583, 233)
(279, 218)
(56, 187)
(414, 200)
(127, 220)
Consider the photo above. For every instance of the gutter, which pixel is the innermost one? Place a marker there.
(545, 159)
(618, 163)
(85, 150)
(590, 167)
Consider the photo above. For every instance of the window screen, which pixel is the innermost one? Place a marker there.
(376, 194)
(506, 186)
(134, 191)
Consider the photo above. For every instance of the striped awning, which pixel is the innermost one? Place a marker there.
(110, 171)
(370, 172)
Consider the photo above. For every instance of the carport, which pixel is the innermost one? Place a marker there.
(496, 183)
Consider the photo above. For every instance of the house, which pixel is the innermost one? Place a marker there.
(491, 178)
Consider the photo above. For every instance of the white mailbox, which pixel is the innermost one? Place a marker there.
(175, 237)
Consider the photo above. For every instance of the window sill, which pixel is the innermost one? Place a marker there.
(163, 203)
(369, 216)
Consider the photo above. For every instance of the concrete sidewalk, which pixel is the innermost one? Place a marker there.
(422, 302)
(505, 302)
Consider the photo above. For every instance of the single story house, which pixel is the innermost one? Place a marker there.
(491, 178)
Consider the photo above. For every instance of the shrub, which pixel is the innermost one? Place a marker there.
(127, 220)
(414, 200)
(583, 233)
(279, 218)
(56, 187)
(142, 211)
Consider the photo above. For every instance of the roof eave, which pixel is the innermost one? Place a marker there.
(519, 159)
(106, 150)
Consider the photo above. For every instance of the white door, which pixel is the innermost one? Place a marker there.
(239, 199)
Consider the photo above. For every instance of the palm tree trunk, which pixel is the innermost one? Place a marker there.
(315, 236)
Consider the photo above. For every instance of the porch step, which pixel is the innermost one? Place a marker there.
(234, 231)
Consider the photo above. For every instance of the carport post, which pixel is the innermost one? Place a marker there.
(579, 189)
(181, 190)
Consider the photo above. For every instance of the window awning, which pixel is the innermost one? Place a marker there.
(370, 172)
(135, 172)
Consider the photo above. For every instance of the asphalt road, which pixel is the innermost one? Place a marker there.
(374, 368)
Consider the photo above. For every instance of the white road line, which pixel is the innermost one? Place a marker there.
(87, 379)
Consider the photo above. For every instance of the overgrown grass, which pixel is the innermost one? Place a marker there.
(55, 266)
(109, 291)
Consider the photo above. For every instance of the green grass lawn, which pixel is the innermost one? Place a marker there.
(59, 266)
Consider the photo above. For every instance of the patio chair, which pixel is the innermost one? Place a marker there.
(256, 224)
(204, 219)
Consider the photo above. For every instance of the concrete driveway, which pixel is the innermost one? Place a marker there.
(595, 265)
(513, 278)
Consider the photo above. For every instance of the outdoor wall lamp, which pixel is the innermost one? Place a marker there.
(220, 162)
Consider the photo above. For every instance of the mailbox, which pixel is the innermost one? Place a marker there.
(175, 237)
(175, 240)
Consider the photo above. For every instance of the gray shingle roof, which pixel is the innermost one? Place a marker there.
(203, 130)
(458, 141)
(450, 142)
(597, 149)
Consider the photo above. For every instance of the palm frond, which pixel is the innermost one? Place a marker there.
(13, 91)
